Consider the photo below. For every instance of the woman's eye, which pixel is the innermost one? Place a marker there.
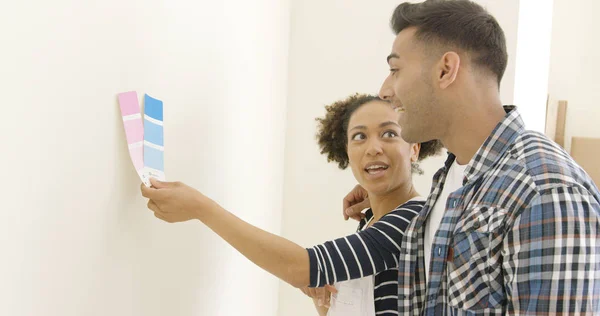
(389, 134)
(358, 136)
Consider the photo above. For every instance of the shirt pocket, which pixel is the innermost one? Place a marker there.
(469, 262)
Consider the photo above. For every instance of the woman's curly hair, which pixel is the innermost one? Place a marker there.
(333, 129)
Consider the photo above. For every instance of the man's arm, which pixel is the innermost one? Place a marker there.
(552, 253)
(355, 202)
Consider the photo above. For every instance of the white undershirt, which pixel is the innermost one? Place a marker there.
(453, 182)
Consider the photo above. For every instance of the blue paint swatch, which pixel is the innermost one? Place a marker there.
(153, 133)
(153, 107)
(153, 137)
(153, 158)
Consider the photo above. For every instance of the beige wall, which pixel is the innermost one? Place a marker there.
(574, 66)
(75, 235)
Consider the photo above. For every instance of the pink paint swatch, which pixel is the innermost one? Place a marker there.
(134, 128)
(137, 157)
(128, 102)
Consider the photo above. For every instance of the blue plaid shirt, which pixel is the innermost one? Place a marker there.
(521, 237)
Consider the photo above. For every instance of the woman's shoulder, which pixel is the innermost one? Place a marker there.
(409, 208)
(414, 203)
(368, 215)
(406, 211)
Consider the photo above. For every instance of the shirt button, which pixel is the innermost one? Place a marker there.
(454, 204)
(439, 251)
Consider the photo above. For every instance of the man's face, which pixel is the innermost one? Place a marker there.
(410, 88)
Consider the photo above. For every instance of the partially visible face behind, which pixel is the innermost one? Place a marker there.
(410, 87)
(379, 158)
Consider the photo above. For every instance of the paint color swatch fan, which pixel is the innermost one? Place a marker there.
(145, 141)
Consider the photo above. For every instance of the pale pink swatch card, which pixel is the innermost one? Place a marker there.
(134, 128)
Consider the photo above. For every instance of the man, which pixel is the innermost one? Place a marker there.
(512, 222)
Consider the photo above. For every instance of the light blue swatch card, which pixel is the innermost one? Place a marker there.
(154, 166)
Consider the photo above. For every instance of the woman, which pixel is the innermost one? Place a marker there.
(361, 132)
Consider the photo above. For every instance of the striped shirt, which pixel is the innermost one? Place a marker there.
(521, 237)
(358, 255)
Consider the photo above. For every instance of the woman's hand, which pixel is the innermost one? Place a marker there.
(321, 295)
(175, 202)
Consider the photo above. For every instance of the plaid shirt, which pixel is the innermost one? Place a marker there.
(521, 237)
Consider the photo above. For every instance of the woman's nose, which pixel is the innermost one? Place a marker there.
(374, 148)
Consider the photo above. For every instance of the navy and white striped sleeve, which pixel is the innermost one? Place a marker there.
(364, 253)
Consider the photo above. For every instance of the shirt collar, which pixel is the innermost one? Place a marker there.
(495, 146)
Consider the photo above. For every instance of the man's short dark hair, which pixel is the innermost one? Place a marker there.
(463, 24)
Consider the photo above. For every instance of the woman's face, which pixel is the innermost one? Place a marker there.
(380, 159)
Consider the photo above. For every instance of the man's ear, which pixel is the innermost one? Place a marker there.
(447, 69)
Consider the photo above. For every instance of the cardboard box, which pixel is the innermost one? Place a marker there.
(586, 152)
(561, 118)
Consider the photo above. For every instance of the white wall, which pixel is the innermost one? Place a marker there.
(506, 12)
(337, 48)
(532, 61)
(574, 66)
(75, 235)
